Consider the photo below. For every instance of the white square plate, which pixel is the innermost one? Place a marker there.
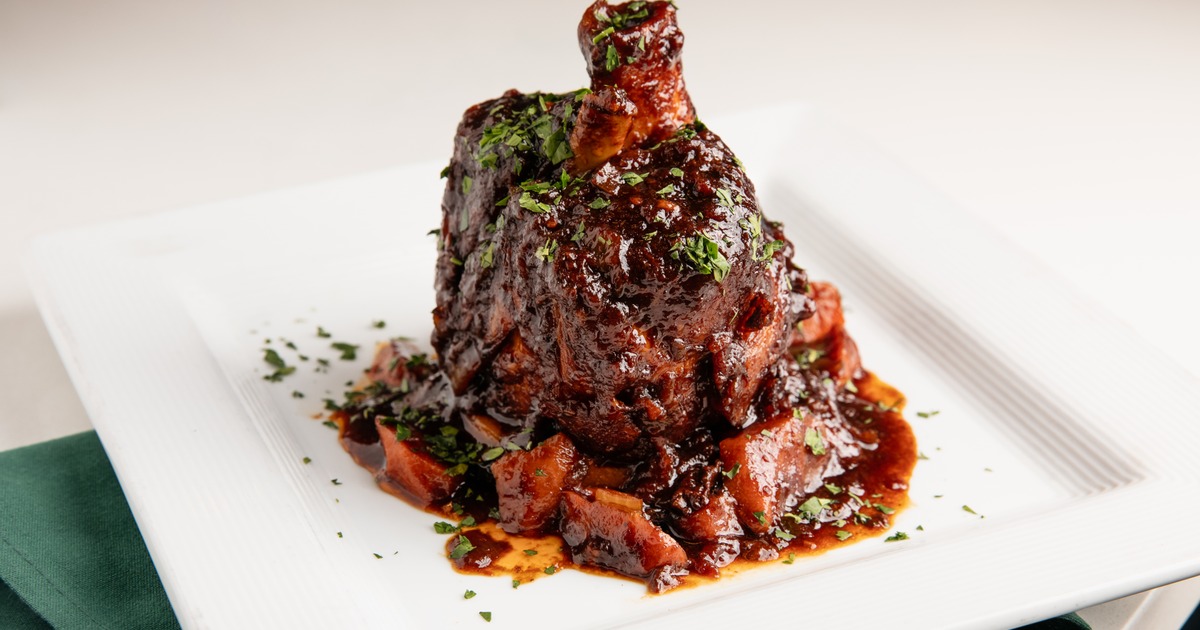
(1071, 439)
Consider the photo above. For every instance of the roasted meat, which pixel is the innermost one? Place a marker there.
(625, 353)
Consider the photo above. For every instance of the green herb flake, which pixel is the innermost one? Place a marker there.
(703, 254)
(533, 205)
(676, 171)
(492, 453)
(783, 534)
(550, 570)
(665, 190)
(461, 548)
(814, 506)
(379, 323)
(322, 333)
(531, 552)
(546, 252)
(813, 440)
(349, 351)
(967, 508)
(761, 516)
(330, 423)
(732, 472)
(377, 556)
(842, 535)
(516, 583)
(487, 616)
(307, 460)
(791, 558)
(895, 537)
(469, 594)
(927, 414)
(538, 472)
(724, 198)
(442, 527)
(296, 394)
(611, 59)
(272, 358)
(633, 179)
(602, 34)
(833, 489)
(599, 203)
(486, 259)
(883, 508)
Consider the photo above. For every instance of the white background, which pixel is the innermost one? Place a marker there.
(1072, 127)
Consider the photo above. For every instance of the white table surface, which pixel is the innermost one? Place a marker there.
(1071, 126)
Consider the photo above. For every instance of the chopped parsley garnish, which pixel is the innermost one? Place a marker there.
(550, 570)
(702, 254)
(377, 556)
(676, 171)
(487, 616)
(340, 535)
(445, 172)
(814, 506)
(307, 460)
(761, 516)
(297, 394)
(927, 414)
(842, 535)
(379, 323)
(896, 536)
(461, 548)
(578, 235)
(486, 258)
(442, 527)
(833, 489)
(335, 482)
(533, 205)
(723, 198)
(967, 508)
(466, 184)
(322, 333)
(732, 472)
(492, 453)
(349, 351)
(531, 552)
(783, 534)
(516, 583)
(469, 594)
(883, 508)
(611, 59)
(282, 369)
(546, 252)
(813, 440)
(633, 179)
(921, 455)
(602, 34)
(666, 190)
(538, 472)
(599, 203)
(791, 558)
(330, 423)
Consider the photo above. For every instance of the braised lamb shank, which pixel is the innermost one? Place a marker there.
(626, 355)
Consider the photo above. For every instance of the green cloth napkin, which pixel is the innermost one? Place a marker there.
(70, 553)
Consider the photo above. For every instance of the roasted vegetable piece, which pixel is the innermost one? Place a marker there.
(610, 530)
(417, 475)
(775, 468)
(529, 484)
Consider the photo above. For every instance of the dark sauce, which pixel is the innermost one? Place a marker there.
(865, 498)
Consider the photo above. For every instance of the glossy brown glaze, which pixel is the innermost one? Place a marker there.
(631, 374)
